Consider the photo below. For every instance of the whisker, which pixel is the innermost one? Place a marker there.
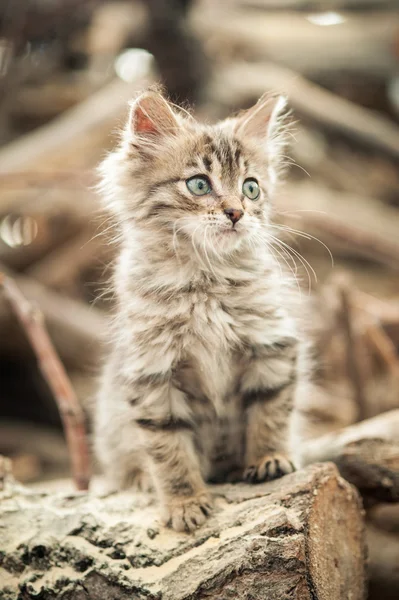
(281, 252)
(303, 261)
(290, 161)
(307, 236)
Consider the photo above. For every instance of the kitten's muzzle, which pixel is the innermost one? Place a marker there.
(234, 214)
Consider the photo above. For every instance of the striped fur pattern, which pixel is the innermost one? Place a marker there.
(205, 358)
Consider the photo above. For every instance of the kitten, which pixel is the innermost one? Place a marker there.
(205, 358)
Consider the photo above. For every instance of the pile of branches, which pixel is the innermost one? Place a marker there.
(55, 249)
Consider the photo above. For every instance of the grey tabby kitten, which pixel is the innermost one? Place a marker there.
(206, 359)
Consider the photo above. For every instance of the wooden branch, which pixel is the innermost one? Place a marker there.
(301, 536)
(383, 311)
(75, 139)
(348, 224)
(55, 375)
(367, 455)
(77, 330)
(353, 355)
(384, 347)
(241, 83)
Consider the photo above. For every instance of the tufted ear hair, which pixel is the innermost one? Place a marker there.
(262, 120)
(264, 123)
(151, 117)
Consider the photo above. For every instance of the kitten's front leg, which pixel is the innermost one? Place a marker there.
(167, 439)
(268, 397)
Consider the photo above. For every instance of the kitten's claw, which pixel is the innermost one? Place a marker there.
(272, 466)
(186, 514)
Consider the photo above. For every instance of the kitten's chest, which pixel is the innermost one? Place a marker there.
(211, 363)
(208, 361)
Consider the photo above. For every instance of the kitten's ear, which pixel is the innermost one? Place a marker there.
(263, 123)
(151, 116)
(262, 120)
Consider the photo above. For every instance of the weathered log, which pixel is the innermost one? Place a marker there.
(367, 455)
(298, 537)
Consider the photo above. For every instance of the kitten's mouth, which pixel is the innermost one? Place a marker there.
(231, 231)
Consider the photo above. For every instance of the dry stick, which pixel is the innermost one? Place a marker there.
(353, 358)
(54, 373)
(384, 347)
(384, 311)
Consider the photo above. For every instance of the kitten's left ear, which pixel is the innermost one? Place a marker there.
(262, 120)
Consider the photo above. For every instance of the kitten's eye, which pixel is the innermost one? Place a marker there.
(198, 185)
(250, 189)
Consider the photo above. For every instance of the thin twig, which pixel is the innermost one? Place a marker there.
(384, 347)
(54, 373)
(352, 349)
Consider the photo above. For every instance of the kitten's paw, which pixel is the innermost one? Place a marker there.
(272, 466)
(186, 514)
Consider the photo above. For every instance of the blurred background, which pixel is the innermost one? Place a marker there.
(67, 70)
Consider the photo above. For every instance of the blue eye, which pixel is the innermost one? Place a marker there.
(199, 185)
(251, 189)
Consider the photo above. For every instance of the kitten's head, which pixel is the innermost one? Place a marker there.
(208, 187)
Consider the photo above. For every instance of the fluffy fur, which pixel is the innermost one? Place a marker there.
(205, 359)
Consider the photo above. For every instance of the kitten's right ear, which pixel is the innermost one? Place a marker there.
(151, 117)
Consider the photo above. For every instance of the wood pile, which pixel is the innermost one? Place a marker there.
(268, 541)
(341, 197)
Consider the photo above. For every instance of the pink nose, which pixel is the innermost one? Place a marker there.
(234, 214)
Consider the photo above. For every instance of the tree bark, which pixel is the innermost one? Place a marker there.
(300, 537)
